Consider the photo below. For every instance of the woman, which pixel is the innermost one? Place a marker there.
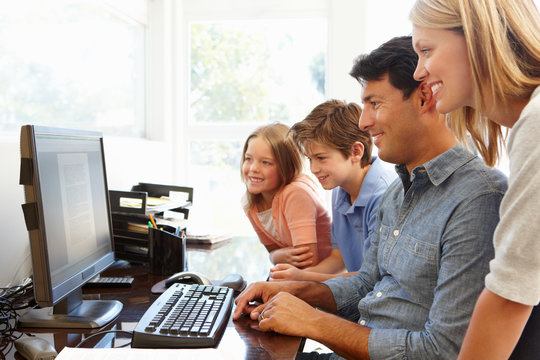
(482, 61)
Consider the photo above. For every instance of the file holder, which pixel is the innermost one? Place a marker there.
(131, 234)
(167, 251)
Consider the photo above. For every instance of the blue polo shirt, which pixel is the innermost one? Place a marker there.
(353, 225)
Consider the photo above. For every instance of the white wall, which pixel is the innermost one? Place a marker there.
(14, 249)
(128, 162)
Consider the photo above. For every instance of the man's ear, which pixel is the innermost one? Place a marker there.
(357, 151)
(426, 97)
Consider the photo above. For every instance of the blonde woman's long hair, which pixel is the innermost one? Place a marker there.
(503, 42)
(288, 159)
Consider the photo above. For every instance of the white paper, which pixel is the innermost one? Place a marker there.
(143, 354)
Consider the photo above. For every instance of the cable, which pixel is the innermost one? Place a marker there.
(8, 323)
(9, 306)
(105, 332)
(6, 344)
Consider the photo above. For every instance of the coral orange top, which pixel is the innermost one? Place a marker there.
(299, 216)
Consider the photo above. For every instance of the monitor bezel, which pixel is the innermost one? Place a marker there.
(47, 294)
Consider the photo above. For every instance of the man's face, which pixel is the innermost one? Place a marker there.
(393, 122)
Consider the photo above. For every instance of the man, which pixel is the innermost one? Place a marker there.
(415, 292)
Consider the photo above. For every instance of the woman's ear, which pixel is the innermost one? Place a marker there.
(357, 151)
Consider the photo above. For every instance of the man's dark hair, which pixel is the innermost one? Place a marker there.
(396, 58)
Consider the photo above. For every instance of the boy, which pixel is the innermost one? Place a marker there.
(340, 158)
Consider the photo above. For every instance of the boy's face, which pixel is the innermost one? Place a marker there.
(329, 165)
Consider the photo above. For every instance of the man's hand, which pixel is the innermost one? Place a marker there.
(251, 301)
(287, 314)
(300, 257)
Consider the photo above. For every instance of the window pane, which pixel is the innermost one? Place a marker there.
(215, 173)
(256, 71)
(72, 64)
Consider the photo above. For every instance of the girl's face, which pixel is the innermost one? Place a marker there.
(260, 169)
(444, 65)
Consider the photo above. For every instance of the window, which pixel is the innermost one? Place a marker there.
(244, 68)
(77, 64)
(246, 63)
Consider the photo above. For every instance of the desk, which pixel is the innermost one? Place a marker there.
(242, 255)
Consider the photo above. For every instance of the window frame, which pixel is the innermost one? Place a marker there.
(339, 57)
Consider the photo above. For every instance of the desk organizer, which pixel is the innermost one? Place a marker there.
(130, 212)
(167, 250)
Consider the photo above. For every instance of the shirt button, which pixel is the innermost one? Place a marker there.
(379, 294)
(363, 322)
(396, 232)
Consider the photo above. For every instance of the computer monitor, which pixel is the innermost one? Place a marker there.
(68, 219)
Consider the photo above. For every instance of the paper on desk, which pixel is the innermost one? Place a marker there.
(145, 354)
(231, 347)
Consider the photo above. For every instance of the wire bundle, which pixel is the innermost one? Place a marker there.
(9, 305)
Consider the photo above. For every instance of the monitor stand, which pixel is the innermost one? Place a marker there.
(73, 312)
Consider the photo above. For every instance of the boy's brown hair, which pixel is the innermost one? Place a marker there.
(333, 123)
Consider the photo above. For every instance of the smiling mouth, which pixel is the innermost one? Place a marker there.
(322, 178)
(435, 87)
(255, 180)
(377, 136)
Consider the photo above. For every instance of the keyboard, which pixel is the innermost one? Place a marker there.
(185, 316)
(100, 282)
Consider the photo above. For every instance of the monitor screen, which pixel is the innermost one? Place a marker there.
(68, 219)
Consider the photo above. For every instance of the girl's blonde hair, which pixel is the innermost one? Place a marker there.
(503, 42)
(288, 159)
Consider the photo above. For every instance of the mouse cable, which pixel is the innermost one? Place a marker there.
(106, 332)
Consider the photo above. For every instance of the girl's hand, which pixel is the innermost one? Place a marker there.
(286, 272)
(300, 257)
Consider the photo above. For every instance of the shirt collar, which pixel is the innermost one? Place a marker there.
(437, 169)
(369, 184)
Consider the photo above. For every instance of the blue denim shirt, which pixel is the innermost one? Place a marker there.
(426, 266)
(354, 225)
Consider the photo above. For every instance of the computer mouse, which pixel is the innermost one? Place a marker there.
(187, 277)
(233, 281)
(35, 348)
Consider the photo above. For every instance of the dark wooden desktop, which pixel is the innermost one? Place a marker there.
(241, 255)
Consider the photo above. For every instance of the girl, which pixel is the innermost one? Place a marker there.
(283, 205)
(482, 62)
(340, 157)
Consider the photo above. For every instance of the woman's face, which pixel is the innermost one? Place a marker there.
(444, 65)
